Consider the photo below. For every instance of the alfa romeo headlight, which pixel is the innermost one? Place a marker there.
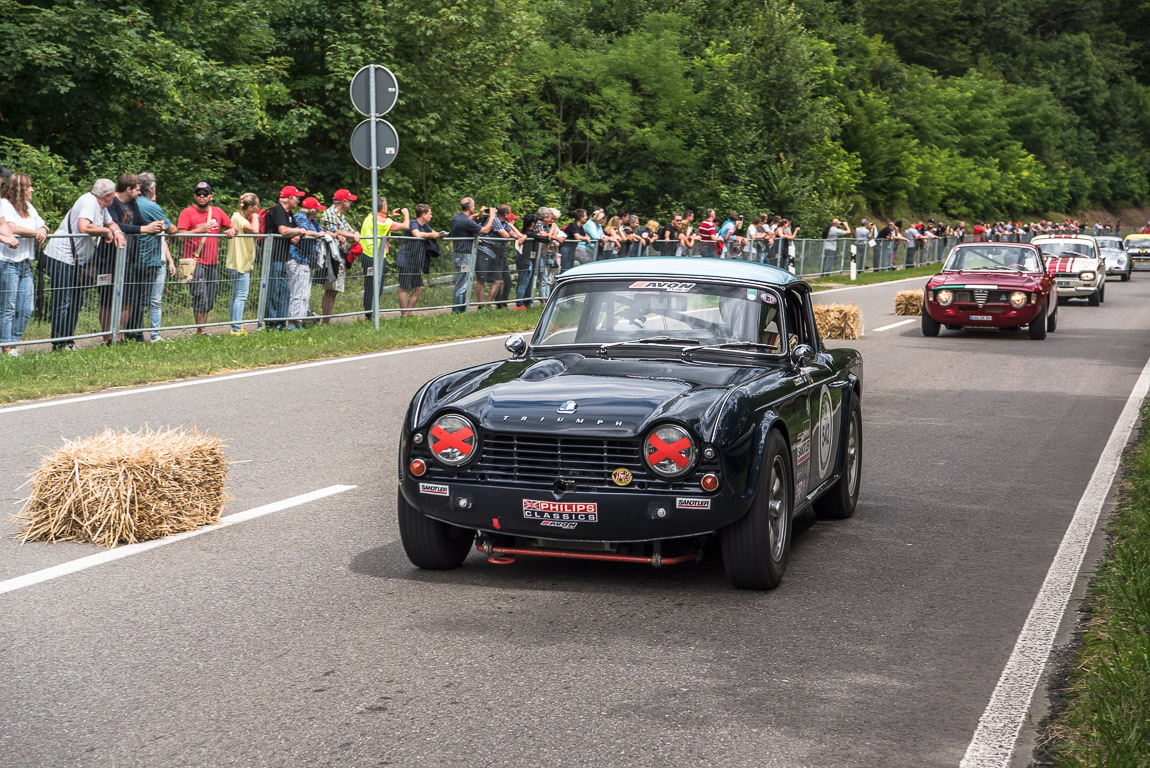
(1018, 299)
(453, 440)
(944, 297)
(1086, 277)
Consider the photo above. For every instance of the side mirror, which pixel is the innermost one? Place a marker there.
(803, 354)
(516, 344)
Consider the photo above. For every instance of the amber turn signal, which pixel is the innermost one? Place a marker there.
(418, 467)
(709, 482)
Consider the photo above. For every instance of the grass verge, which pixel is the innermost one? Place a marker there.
(870, 278)
(129, 364)
(1106, 718)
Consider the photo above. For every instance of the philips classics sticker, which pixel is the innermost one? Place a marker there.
(561, 511)
(434, 489)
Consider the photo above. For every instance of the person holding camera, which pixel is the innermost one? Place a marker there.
(465, 229)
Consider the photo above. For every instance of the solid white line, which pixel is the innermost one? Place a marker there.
(83, 563)
(994, 739)
(244, 375)
(922, 278)
(895, 325)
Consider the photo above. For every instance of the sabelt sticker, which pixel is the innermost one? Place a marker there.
(561, 511)
(655, 285)
(434, 489)
(681, 503)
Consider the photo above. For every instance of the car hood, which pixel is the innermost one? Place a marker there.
(981, 279)
(1063, 265)
(571, 393)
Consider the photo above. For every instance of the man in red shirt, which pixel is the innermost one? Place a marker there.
(203, 218)
(708, 240)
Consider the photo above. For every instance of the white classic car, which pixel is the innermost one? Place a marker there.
(1114, 254)
(1075, 262)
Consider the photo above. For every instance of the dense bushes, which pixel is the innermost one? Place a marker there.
(818, 106)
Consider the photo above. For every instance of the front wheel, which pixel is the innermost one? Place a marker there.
(930, 326)
(1102, 292)
(1037, 327)
(757, 545)
(1094, 299)
(429, 543)
(1052, 321)
(839, 502)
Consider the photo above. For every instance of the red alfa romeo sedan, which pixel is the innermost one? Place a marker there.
(991, 285)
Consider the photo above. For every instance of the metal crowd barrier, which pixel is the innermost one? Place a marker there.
(114, 295)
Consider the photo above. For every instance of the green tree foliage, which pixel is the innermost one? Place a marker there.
(976, 108)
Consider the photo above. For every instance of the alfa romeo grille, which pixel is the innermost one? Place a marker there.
(980, 296)
(580, 463)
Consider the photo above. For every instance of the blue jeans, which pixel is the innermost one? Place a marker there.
(277, 304)
(829, 260)
(462, 259)
(523, 290)
(15, 299)
(155, 302)
(67, 299)
(241, 284)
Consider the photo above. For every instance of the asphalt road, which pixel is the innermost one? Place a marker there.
(305, 638)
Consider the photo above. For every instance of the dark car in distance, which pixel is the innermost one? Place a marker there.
(991, 285)
(659, 402)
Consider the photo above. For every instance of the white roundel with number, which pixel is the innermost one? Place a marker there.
(826, 431)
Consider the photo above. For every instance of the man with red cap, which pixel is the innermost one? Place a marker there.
(334, 220)
(281, 223)
(300, 258)
(203, 218)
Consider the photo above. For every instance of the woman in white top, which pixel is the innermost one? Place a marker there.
(16, 296)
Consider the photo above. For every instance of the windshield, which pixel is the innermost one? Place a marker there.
(1066, 249)
(654, 313)
(992, 258)
(1109, 242)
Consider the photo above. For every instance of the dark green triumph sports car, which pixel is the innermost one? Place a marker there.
(659, 402)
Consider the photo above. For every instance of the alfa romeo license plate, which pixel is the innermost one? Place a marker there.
(981, 317)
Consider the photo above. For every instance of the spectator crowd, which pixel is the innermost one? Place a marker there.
(316, 244)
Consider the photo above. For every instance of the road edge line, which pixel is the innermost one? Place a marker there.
(91, 561)
(996, 736)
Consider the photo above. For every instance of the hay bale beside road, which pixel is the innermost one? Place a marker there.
(908, 303)
(123, 487)
(838, 321)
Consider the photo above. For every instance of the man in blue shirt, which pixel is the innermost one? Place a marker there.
(733, 243)
(151, 255)
(463, 225)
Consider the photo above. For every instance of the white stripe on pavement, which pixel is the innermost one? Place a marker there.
(997, 733)
(83, 563)
(895, 325)
(244, 375)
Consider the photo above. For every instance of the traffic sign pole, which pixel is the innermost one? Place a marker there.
(377, 263)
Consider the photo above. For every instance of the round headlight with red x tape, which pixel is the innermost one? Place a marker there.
(669, 450)
(453, 439)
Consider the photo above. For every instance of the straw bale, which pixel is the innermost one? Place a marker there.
(838, 321)
(123, 487)
(908, 303)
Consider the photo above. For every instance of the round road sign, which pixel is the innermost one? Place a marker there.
(386, 144)
(386, 90)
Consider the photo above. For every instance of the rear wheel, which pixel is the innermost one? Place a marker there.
(757, 545)
(429, 543)
(930, 326)
(839, 502)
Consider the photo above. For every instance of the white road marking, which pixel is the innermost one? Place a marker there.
(895, 325)
(244, 375)
(921, 278)
(997, 733)
(83, 563)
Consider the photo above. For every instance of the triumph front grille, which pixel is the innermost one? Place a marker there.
(577, 464)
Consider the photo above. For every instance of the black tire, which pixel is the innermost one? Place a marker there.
(1037, 327)
(1094, 299)
(929, 326)
(1102, 293)
(1052, 321)
(1126, 276)
(757, 545)
(839, 502)
(429, 543)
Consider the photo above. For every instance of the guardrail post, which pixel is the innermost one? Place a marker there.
(262, 302)
(118, 288)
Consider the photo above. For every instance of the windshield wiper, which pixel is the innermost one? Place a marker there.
(603, 348)
(752, 346)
